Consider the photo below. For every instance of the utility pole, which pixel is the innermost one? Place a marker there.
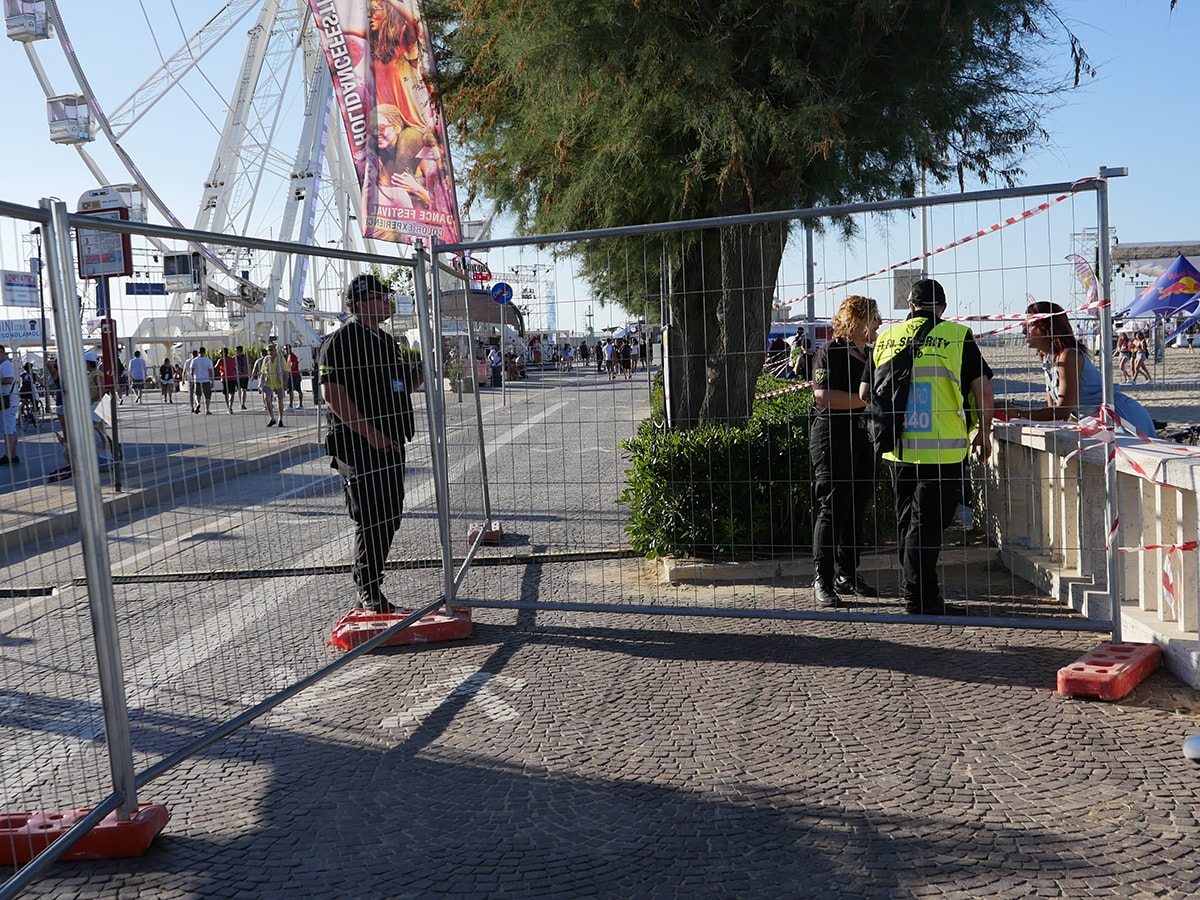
(37, 270)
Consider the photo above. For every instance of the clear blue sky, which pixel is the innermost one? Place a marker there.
(1139, 112)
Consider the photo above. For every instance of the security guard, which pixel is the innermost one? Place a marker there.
(929, 468)
(843, 457)
(366, 382)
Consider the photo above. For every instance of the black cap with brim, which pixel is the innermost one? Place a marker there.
(927, 294)
(364, 286)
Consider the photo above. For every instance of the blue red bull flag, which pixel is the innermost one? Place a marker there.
(1174, 291)
(384, 77)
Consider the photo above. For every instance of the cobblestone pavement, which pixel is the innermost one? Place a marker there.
(569, 754)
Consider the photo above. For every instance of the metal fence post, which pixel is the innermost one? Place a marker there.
(97, 565)
(431, 357)
(1116, 574)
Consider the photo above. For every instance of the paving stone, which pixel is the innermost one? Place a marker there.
(655, 758)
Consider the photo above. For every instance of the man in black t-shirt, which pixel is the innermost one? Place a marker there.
(366, 382)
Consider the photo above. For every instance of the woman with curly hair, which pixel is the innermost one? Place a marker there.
(843, 456)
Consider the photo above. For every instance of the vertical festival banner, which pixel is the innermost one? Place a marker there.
(384, 76)
(1087, 280)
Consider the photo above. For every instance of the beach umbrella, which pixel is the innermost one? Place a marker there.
(1174, 291)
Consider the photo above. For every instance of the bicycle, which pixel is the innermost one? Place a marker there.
(29, 415)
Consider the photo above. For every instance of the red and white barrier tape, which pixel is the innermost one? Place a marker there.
(1168, 572)
(1103, 429)
(992, 229)
(790, 389)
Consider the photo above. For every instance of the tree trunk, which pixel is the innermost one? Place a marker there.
(720, 300)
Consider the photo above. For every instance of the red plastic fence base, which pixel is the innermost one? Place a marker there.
(24, 835)
(493, 532)
(358, 626)
(1110, 671)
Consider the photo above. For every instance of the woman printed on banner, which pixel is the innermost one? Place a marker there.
(393, 37)
(1074, 386)
(398, 148)
(391, 190)
(431, 172)
(383, 45)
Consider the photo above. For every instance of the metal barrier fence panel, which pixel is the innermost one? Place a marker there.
(223, 538)
(53, 709)
(740, 542)
(226, 543)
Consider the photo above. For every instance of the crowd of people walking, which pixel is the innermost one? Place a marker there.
(618, 357)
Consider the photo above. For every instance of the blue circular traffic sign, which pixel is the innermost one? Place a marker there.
(501, 292)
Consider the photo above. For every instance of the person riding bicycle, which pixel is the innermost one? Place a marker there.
(30, 414)
(28, 389)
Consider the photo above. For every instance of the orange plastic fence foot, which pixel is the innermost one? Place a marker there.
(1110, 671)
(359, 625)
(24, 835)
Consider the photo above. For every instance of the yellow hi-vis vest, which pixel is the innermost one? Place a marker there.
(936, 429)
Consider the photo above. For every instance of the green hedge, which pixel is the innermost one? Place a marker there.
(722, 492)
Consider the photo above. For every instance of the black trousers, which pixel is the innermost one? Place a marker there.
(843, 485)
(926, 497)
(375, 501)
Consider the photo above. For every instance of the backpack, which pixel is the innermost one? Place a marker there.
(889, 393)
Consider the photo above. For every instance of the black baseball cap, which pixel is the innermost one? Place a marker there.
(365, 285)
(927, 294)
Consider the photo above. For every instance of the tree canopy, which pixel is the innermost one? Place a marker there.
(580, 114)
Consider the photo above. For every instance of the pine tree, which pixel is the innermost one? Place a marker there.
(581, 114)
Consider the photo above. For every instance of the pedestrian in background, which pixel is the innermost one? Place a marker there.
(271, 372)
(188, 365)
(227, 372)
(1140, 348)
(137, 375)
(243, 371)
(202, 377)
(10, 405)
(292, 361)
(166, 380)
(1124, 354)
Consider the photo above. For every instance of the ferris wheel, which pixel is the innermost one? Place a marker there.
(280, 167)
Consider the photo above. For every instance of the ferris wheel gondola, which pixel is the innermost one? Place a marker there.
(313, 190)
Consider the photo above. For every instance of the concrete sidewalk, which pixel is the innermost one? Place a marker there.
(36, 510)
(575, 754)
(570, 755)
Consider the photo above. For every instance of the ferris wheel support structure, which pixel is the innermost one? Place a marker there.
(245, 151)
(85, 87)
(185, 59)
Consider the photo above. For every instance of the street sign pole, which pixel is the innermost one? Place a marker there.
(101, 255)
(502, 293)
(112, 372)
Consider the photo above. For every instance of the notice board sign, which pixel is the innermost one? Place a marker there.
(104, 253)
